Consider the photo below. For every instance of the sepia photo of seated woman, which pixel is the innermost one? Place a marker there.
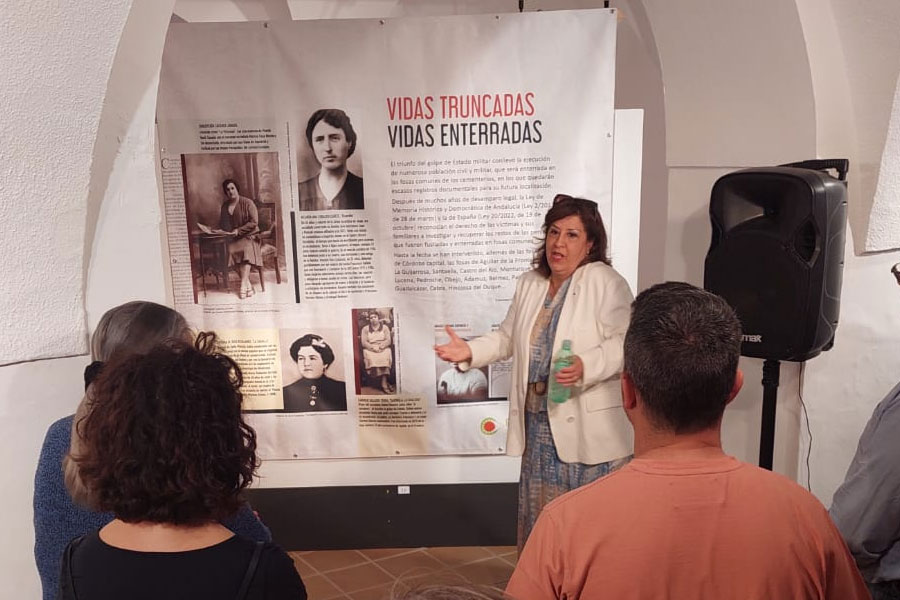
(240, 218)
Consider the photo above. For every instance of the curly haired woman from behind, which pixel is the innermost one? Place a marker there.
(129, 329)
(165, 449)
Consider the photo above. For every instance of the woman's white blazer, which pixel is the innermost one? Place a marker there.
(591, 427)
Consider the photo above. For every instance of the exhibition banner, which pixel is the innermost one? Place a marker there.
(336, 192)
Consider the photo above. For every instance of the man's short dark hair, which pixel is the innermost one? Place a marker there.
(681, 352)
(164, 440)
(336, 118)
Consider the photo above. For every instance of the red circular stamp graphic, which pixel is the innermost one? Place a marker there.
(489, 426)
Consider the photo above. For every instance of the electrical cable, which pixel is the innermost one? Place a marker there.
(808, 428)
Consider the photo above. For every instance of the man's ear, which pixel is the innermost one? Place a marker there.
(738, 384)
(629, 393)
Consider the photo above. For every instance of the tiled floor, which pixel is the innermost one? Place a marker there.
(375, 574)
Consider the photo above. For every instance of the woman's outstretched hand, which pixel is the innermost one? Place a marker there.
(456, 350)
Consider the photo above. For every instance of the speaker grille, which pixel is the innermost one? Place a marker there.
(806, 242)
(750, 272)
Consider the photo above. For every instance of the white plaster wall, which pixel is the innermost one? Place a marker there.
(842, 386)
(733, 98)
(639, 84)
(737, 82)
(127, 259)
(884, 219)
(866, 31)
(854, 56)
(116, 183)
(54, 63)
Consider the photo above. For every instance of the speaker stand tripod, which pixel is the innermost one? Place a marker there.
(771, 372)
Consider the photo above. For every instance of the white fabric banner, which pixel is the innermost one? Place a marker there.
(465, 128)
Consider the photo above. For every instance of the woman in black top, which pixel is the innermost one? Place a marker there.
(165, 449)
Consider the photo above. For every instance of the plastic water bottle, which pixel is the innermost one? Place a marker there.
(559, 393)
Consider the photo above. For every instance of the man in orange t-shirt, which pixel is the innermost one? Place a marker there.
(683, 519)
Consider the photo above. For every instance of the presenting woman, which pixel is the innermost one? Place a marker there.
(165, 449)
(315, 390)
(376, 340)
(572, 293)
(240, 219)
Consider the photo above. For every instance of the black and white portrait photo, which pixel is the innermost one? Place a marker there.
(328, 168)
(312, 371)
(454, 386)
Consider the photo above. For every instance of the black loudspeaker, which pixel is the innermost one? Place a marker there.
(777, 255)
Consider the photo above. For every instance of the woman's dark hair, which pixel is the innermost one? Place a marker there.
(566, 206)
(316, 343)
(225, 186)
(164, 440)
(336, 118)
